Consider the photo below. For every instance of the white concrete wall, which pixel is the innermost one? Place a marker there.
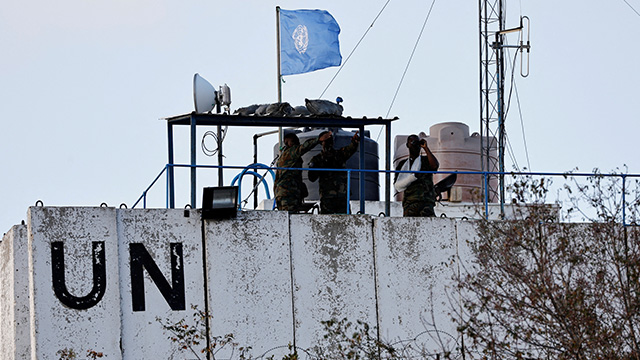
(55, 326)
(14, 295)
(333, 272)
(143, 337)
(271, 278)
(414, 258)
(249, 279)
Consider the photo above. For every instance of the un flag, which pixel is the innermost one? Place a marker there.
(308, 41)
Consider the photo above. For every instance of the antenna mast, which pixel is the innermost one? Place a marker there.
(492, 129)
(491, 89)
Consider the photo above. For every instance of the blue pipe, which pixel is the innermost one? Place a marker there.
(246, 171)
(239, 179)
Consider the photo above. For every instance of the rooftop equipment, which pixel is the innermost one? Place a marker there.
(219, 202)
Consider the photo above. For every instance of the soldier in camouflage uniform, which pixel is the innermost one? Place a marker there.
(289, 189)
(419, 197)
(333, 184)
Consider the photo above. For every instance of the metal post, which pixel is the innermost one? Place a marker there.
(348, 190)
(193, 161)
(278, 53)
(170, 178)
(486, 195)
(220, 173)
(624, 201)
(362, 167)
(279, 71)
(255, 180)
(387, 204)
(500, 88)
(220, 157)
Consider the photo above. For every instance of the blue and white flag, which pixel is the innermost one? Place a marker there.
(308, 41)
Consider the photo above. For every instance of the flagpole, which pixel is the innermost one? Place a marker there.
(279, 72)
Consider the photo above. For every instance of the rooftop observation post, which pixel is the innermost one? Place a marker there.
(193, 120)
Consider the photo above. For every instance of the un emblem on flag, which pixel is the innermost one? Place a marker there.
(301, 38)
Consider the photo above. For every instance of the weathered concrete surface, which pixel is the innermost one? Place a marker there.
(249, 279)
(333, 272)
(376, 207)
(414, 257)
(55, 326)
(14, 295)
(465, 231)
(271, 278)
(143, 337)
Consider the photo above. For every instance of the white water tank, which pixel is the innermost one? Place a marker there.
(456, 150)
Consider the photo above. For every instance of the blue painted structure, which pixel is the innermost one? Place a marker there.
(193, 120)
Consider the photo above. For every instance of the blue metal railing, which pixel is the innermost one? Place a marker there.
(485, 174)
(143, 197)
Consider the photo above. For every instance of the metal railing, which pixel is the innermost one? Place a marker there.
(143, 197)
(619, 189)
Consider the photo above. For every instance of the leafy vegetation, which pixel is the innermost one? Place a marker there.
(542, 289)
(342, 340)
(70, 354)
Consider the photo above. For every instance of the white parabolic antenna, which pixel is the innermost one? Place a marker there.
(204, 95)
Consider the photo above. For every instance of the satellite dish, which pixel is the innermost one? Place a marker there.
(204, 95)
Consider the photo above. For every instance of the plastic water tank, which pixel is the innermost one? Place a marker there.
(342, 138)
(455, 150)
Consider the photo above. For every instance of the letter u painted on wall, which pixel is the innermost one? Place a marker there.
(140, 259)
(99, 277)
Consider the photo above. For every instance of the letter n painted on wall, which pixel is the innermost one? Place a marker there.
(174, 294)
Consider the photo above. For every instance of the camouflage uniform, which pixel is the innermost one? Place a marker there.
(419, 197)
(289, 189)
(333, 184)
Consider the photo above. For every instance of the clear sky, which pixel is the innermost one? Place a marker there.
(83, 85)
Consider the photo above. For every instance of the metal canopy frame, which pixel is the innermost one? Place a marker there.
(194, 120)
